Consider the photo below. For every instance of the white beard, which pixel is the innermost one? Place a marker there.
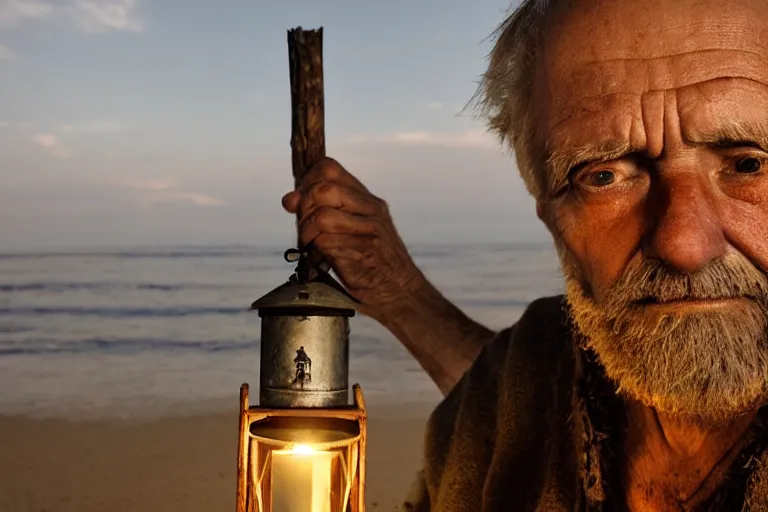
(707, 366)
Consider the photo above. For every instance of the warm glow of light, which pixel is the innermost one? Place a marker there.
(304, 469)
(301, 480)
(302, 449)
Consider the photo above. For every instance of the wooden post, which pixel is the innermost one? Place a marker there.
(242, 452)
(305, 59)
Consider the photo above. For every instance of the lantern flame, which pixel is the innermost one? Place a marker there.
(302, 449)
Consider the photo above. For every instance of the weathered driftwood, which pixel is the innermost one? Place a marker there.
(305, 58)
(305, 62)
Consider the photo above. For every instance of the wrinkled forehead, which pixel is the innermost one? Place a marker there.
(601, 55)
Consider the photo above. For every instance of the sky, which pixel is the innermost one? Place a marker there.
(156, 122)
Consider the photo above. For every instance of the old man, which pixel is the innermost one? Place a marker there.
(641, 129)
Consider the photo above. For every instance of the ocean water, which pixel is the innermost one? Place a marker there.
(131, 333)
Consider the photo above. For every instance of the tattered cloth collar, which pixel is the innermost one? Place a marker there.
(600, 423)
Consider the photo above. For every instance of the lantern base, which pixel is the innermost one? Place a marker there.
(318, 453)
(290, 399)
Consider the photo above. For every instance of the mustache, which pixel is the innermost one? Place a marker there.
(650, 281)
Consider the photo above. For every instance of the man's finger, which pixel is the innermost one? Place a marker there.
(330, 220)
(329, 169)
(291, 201)
(340, 246)
(332, 195)
(325, 174)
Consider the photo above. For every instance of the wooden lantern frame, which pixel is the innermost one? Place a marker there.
(246, 487)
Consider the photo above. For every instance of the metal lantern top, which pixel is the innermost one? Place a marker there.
(323, 293)
(305, 342)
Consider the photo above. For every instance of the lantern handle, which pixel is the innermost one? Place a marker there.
(301, 257)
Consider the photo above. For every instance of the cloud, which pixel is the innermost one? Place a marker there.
(155, 185)
(98, 16)
(168, 191)
(6, 53)
(433, 105)
(52, 145)
(46, 140)
(471, 139)
(13, 12)
(93, 128)
(90, 16)
(198, 199)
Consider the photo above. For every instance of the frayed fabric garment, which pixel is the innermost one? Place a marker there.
(534, 426)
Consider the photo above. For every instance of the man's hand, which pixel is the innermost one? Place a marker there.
(352, 230)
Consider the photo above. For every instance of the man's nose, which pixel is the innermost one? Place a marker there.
(686, 232)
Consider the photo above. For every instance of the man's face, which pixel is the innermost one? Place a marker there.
(654, 119)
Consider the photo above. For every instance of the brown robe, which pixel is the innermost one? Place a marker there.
(533, 426)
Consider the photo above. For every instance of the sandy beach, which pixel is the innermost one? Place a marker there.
(114, 347)
(171, 464)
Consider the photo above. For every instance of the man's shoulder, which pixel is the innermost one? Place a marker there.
(541, 329)
(503, 404)
(522, 357)
(545, 308)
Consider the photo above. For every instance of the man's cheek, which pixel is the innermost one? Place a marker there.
(578, 247)
(571, 251)
(746, 228)
(597, 248)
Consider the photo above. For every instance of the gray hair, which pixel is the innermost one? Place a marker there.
(505, 90)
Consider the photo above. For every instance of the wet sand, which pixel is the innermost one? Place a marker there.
(171, 464)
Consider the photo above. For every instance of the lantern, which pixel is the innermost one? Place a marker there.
(302, 449)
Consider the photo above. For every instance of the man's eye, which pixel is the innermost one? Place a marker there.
(749, 165)
(600, 178)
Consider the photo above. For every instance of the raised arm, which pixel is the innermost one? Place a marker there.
(352, 230)
(439, 335)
